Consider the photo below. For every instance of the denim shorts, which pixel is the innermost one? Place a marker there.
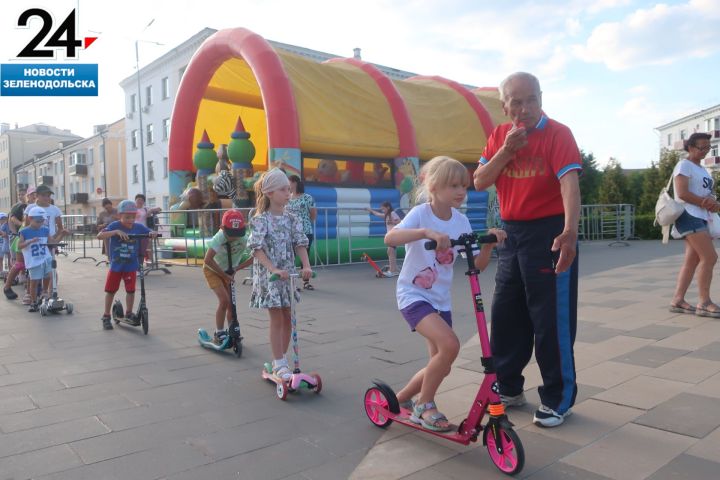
(41, 271)
(416, 311)
(687, 224)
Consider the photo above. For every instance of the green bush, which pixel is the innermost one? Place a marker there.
(644, 228)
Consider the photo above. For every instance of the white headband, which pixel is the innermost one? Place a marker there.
(275, 179)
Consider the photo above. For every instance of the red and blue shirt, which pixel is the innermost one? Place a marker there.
(529, 186)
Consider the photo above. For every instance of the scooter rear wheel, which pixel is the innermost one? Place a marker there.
(237, 348)
(117, 311)
(375, 402)
(318, 382)
(69, 308)
(512, 458)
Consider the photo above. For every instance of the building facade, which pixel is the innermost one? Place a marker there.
(20, 145)
(83, 172)
(673, 134)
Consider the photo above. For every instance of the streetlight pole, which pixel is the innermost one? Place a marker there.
(139, 100)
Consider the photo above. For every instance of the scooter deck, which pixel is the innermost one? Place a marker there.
(453, 434)
(304, 381)
(206, 341)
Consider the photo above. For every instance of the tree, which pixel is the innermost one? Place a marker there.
(651, 186)
(590, 179)
(668, 160)
(613, 186)
(634, 188)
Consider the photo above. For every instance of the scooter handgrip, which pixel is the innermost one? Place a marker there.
(487, 238)
(430, 245)
(274, 277)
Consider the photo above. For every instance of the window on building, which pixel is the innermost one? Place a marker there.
(149, 134)
(102, 184)
(166, 203)
(90, 156)
(717, 123)
(133, 103)
(134, 140)
(714, 151)
(166, 129)
(683, 134)
(165, 87)
(347, 171)
(135, 174)
(152, 202)
(669, 141)
(165, 167)
(92, 184)
(150, 171)
(148, 95)
(62, 192)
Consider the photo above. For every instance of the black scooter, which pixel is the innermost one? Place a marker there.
(141, 317)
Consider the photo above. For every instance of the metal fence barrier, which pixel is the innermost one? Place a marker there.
(341, 235)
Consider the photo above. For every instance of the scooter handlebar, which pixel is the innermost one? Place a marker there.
(55, 245)
(479, 239)
(138, 235)
(274, 277)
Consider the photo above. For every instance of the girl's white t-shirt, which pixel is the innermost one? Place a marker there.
(52, 212)
(700, 183)
(426, 275)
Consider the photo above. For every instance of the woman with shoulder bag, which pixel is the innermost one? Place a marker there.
(694, 190)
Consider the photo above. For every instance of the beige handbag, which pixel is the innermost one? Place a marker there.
(667, 210)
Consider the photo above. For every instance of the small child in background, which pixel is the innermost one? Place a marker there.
(276, 236)
(124, 260)
(230, 238)
(391, 219)
(38, 259)
(4, 244)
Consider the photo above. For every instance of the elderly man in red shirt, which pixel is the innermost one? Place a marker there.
(534, 163)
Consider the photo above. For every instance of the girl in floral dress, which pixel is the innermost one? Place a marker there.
(276, 236)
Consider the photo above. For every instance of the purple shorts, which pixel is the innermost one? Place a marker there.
(416, 311)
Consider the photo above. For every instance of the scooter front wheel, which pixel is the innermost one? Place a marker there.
(375, 403)
(318, 382)
(237, 348)
(69, 308)
(281, 390)
(512, 457)
(144, 320)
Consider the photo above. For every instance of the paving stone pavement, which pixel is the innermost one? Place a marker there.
(78, 402)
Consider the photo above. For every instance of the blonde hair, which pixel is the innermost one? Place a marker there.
(262, 201)
(440, 172)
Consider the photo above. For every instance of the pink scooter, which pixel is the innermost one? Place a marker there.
(310, 381)
(503, 444)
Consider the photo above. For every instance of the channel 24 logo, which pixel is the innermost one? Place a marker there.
(64, 37)
(50, 79)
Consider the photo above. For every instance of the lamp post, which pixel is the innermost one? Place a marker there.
(139, 100)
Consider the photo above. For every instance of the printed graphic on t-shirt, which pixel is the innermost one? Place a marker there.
(426, 278)
(124, 252)
(526, 168)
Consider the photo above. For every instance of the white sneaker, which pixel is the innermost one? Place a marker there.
(513, 401)
(547, 417)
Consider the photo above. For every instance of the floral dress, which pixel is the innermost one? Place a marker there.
(276, 235)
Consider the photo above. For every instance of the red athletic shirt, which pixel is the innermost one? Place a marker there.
(529, 187)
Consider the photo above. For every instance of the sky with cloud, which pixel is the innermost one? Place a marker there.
(612, 70)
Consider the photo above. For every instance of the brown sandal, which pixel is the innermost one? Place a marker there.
(682, 307)
(703, 311)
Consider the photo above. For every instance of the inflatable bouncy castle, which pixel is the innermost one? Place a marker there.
(355, 137)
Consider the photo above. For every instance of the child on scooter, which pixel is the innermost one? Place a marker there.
(276, 236)
(123, 254)
(38, 259)
(424, 284)
(215, 267)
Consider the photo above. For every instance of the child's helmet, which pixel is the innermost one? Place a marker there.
(127, 206)
(233, 223)
(37, 212)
